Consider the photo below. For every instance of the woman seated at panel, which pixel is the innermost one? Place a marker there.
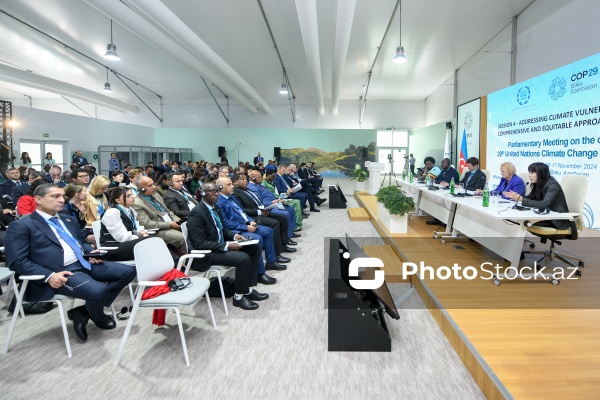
(510, 182)
(119, 226)
(97, 203)
(546, 193)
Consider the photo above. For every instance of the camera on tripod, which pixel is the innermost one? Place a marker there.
(389, 157)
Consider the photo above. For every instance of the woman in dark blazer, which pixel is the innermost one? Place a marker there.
(546, 193)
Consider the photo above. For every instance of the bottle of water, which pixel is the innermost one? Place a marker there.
(452, 186)
(411, 177)
(486, 196)
(403, 175)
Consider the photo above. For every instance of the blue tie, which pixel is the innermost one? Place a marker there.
(70, 240)
(219, 224)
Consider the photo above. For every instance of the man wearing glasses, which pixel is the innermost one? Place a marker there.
(153, 214)
(207, 232)
(81, 177)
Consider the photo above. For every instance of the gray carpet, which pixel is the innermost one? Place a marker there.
(276, 352)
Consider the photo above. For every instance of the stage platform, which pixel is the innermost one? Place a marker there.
(522, 340)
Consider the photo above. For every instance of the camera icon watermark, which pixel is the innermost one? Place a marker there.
(365, 262)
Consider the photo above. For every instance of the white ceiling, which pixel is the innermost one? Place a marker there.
(438, 36)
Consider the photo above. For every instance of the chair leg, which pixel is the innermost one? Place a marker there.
(114, 313)
(181, 334)
(13, 321)
(212, 316)
(222, 292)
(134, 311)
(63, 322)
(15, 288)
(131, 293)
(564, 259)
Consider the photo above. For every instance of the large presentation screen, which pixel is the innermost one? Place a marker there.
(467, 129)
(553, 118)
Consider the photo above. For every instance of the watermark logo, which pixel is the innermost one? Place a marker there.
(365, 262)
(557, 88)
(523, 95)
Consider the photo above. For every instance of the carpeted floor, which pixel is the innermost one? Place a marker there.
(276, 352)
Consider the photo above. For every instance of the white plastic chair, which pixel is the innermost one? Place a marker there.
(152, 261)
(97, 228)
(58, 299)
(525, 177)
(8, 275)
(488, 175)
(213, 268)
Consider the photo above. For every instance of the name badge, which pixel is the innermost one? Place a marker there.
(167, 218)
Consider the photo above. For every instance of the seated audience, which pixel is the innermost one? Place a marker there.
(13, 176)
(134, 177)
(20, 190)
(177, 198)
(116, 178)
(152, 213)
(80, 176)
(267, 183)
(119, 226)
(97, 203)
(76, 206)
(207, 232)
(26, 204)
(55, 176)
(285, 184)
(48, 245)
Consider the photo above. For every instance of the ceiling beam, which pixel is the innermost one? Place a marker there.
(131, 21)
(307, 16)
(163, 16)
(343, 29)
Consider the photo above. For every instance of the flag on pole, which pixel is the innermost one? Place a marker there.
(463, 153)
(447, 145)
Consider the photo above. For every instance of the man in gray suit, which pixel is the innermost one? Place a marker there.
(152, 213)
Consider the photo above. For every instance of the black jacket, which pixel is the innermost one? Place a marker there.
(176, 203)
(477, 182)
(553, 199)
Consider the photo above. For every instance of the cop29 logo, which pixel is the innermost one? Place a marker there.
(523, 95)
(557, 88)
(468, 120)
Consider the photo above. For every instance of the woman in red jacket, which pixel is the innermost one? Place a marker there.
(26, 204)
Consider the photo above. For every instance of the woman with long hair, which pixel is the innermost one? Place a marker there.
(49, 160)
(97, 203)
(25, 159)
(76, 207)
(119, 225)
(196, 180)
(546, 193)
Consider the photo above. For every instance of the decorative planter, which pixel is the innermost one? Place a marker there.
(393, 223)
(360, 186)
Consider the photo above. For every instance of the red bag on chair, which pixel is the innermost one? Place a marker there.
(158, 317)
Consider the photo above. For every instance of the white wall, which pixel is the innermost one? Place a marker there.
(82, 132)
(439, 106)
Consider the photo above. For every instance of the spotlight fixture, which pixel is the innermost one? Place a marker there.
(400, 56)
(283, 89)
(111, 49)
(107, 87)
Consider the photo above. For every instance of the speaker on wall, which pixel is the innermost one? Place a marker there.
(277, 152)
(365, 152)
(221, 150)
(448, 125)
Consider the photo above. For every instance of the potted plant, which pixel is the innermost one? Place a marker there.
(360, 176)
(394, 206)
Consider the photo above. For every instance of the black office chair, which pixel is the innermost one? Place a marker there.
(575, 189)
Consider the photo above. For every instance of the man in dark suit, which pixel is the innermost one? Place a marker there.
(13, 179)
(284, 184)
(79, 159)
(237, 221)
(52, 246)
(254, 207)
(258, 159)
(305, 174)
(55, 176)
(177, 198)
(474, 179)
(448, 173)
(19, 191)
(207, 232)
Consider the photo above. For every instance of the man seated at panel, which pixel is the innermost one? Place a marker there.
(237, 221)
(177, 198)
(51, 245)
(207, 232)
(475, 178)
(152, 213)
(253, 206)
(448, 173)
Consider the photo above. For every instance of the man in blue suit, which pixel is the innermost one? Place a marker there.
(267, 198)
(50, 245)
(237, 221)
(284, 184)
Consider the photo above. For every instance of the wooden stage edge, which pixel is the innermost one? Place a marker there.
(482, 373)
(522, 339)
